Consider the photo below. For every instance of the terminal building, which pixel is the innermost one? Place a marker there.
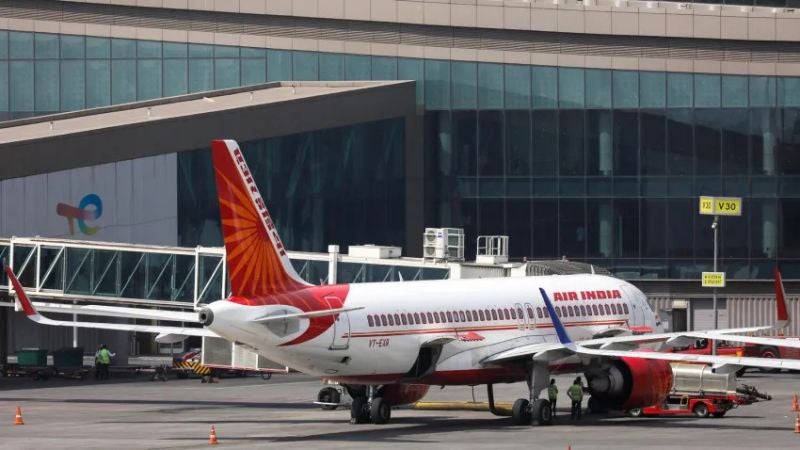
(582, 130)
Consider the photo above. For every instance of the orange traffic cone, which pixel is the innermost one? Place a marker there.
(795, 406)
(18, 418)
(212, 439)
(797, 424)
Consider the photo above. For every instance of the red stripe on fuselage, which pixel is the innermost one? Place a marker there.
(485, 328)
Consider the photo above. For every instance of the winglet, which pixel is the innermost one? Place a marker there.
(27, 306)
(780, 300)
(563, 337)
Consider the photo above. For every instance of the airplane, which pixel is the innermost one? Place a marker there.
(386, 343)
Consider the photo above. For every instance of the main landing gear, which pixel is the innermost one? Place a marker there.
(368, 406)
(534, 410)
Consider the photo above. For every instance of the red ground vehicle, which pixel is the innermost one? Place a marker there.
(684, 405)
(696, 390)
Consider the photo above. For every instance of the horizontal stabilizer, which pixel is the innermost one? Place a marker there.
(307, 315)
(31, 312)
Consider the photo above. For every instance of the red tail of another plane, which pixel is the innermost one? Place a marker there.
(257, 261)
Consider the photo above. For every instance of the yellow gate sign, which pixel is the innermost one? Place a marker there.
(714, 279)
(721, 206)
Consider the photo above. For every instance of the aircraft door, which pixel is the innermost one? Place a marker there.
(637, 311)
(530, 315)
(341, 327)
(522, 321)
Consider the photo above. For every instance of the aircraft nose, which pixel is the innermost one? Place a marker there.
(206, 316)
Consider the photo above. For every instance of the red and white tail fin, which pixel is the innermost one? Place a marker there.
(780, 301)
(257, 261)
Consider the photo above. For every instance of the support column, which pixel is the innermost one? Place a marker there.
(333, 263)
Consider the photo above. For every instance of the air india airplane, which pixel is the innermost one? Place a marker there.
(386, 343)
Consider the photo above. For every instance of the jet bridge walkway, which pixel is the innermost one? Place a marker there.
(174, 277)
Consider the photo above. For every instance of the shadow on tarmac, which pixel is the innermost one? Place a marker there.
(427, 426)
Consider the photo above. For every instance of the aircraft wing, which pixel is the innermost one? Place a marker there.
(165, 334)
(616, 347)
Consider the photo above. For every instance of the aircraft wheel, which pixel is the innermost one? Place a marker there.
(380, 411)
(359, 412)
(541, 413)
(700, 410)
(328, 395)
(521, 412)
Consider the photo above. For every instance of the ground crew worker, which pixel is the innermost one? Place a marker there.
(552, 395)
(575, 393)
(102, 361)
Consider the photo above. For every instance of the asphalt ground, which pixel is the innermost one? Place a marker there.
(133, 412)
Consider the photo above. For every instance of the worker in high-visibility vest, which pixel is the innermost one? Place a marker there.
(552, 395)
(575, 393)
(102, 360)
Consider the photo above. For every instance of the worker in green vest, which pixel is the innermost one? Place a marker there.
(102, 360)
(552, 395)
(575, 393)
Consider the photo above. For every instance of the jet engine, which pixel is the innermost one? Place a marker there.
(630, 383)
(403, 394)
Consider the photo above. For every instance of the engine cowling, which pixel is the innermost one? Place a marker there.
(404, 394)
(631, 383)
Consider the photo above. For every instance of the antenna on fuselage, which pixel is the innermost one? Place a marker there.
(591, 266)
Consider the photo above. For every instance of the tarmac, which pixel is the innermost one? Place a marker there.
(133, 412)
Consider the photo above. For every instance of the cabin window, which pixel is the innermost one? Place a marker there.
(430, 318)
(383, 320)
(482, 316)
(608, 309)
(403, 319)
(370, 321)
(570, 311)
(416, 318)
(469, 316)
(625, 307)
(514, 314)
(583, 310)
(397, 319)
(546, 312)
(519, 313)
(558, 311)
(594, 310)
(615, 307)
(391, 320)
(449, 316)
(539, 312)
(494, 314)
(530, 313)
(436, 317)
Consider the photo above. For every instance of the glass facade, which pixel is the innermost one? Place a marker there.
(599, 165)
(344, 185)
